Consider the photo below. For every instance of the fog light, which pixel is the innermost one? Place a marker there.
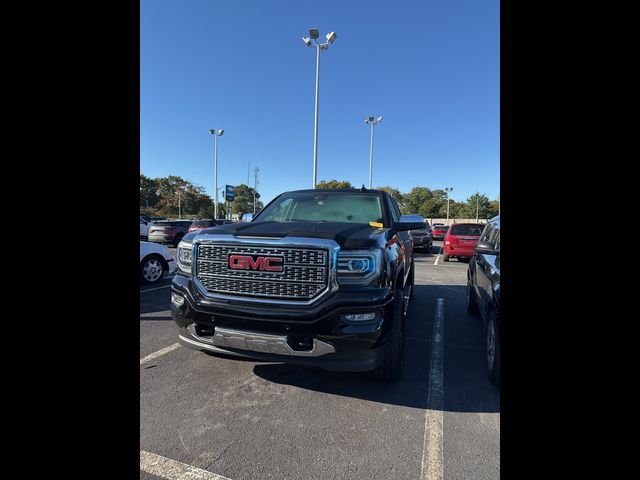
(177, 300)
(359, 317)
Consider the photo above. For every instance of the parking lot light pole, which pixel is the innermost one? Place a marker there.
(373, 121)
(216, 134)
(448, 189)
(477, 209)
(312, 41)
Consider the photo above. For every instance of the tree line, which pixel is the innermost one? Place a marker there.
(164, 196)
(432, 203)
(168, 196)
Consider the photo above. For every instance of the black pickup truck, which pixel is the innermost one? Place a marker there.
(319, 277)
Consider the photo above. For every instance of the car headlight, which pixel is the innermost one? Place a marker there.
(359, 267)
(185, 253)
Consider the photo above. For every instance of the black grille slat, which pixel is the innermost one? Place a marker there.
(304, 275)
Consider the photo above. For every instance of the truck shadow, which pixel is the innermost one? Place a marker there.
(466, 386)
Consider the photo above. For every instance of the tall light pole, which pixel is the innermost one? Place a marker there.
(312, 41)
(179, 209)
(477, 207)
(373, 121)
(216, 134)
(448, 189)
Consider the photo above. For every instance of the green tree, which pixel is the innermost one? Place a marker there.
(395, 193)
(480, 204)
(495, 208)
(148, 192)
(243, 201)
(174, 192)
(334, 184)
(413, 201)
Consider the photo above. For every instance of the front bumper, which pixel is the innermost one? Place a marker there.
(172, 265)
(269, 332)
(420, 241)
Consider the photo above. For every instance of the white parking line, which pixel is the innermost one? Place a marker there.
(173, 470)
(432, 465)
(437, 258)
(159, 353)
(157, 288)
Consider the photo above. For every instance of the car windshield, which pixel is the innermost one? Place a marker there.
(323, 207)
(203, 223)
(466, 229)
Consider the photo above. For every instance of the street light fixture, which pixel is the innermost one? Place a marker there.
(448, 189)
(373, 121)
(311, 41)
(216, 134)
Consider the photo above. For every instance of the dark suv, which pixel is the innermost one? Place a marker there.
(422, 238)
(483, 291)
(319, 278)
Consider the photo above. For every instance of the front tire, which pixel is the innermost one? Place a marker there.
(472, 305)
(392, 365)
(445, 257)
(493, 349)
(152, 269)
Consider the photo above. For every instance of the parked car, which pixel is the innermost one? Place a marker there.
(202, 224)
(152, 220)
(438, 231)
(156, 261)
(422, 239)
(483, 291)
(460, 240)
(169, 231)
(144, 229)
(319, 278)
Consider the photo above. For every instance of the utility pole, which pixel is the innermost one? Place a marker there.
(477, 208)
(255, 188)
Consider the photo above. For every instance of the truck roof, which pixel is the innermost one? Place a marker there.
(339, 190)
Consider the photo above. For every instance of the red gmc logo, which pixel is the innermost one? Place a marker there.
(249, 262)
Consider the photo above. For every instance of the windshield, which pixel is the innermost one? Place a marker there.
(323, 207)
(466, 229)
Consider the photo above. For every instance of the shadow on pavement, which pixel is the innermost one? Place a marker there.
(466, 386)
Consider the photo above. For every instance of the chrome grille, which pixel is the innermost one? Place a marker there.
(304, 275)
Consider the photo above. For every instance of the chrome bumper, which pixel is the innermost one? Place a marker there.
(257, 342)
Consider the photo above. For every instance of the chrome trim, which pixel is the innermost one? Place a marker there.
(300, 242)
(259, 342)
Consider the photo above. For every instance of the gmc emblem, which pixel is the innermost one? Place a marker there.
(251, 262)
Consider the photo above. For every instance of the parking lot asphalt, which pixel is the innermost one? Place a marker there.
(207, 416)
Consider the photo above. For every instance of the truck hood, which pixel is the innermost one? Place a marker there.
(347, 235)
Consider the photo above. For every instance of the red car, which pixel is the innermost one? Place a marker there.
(439, 231)
(460, 240)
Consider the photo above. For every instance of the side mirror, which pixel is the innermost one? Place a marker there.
(487, 248)
(409, 222)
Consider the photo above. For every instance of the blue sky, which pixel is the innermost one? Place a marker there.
(431, 68)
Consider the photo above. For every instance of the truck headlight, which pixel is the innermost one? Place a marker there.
(359, 267)
(185, 253)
